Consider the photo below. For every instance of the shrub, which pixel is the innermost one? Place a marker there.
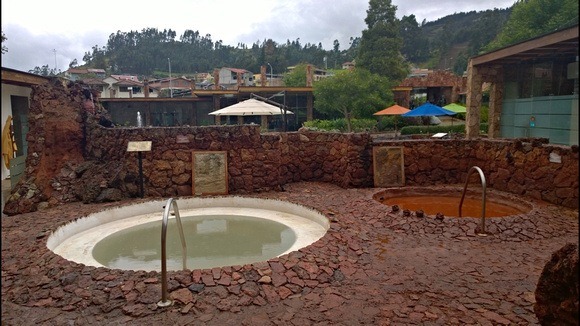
(340, 125)
(457, 129)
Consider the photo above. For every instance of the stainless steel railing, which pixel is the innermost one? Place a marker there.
(481, 230)
(171, 203)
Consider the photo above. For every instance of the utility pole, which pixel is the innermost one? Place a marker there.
(271, 73)
(55, 67)
(170, 89)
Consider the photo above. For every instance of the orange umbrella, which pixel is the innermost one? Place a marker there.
(393, 110)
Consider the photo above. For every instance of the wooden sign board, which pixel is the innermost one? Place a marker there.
(388, 166)
(139, 146)
(209, 173)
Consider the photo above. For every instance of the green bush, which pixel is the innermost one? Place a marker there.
(368, 125)
(340, 125)
(457, 129)
(387, 123)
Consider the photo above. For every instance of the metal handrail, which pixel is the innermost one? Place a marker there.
(483, 185)
(171, 203)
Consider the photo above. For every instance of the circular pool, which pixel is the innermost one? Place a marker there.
(445, 200)
(219, 231)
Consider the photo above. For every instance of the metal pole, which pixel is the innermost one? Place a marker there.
(271, 73)
(141, 174)
(285, 115)
(55, 67)
(170, 90)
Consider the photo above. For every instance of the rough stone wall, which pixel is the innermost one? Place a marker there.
(435, 79)
(557, 290)
(343, 159)
(55, 144)
(256, 162)
(518, 166)
(74, 156)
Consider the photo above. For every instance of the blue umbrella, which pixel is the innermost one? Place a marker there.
(428, 109)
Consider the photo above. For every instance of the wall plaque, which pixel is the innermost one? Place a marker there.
(209, 173)
(139, 146)
(181, 139)
(388, 166)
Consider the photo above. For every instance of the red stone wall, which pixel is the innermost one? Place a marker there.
(519, 166)
(256, 162)
(73, 157)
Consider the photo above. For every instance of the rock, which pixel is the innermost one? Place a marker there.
(182, 295)
(420, 213)
(439, 216)
(395, 208)
(110, 195)
(557, 289)
(406, 212)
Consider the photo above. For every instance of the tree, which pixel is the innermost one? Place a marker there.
(355, 93)
(43, 71)
(4, 48)
(532, 18)
(415, 46)
(380, 47)
(296, 77)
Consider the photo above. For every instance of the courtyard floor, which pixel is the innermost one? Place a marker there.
(373, 267)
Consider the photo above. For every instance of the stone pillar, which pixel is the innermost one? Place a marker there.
(474, 95)
(263, 76)
(495, 103)
(309, 107)
(216, 79)
(240, 119)
(309, 76)
(265, 122)
(146, 88)
(239, 79)
(216, 106)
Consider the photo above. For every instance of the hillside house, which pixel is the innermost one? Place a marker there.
(122, 86)
(75, 74)
(232, 78)
(174, 83)
(348, 65)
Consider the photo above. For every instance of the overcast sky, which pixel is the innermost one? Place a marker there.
(53, 33)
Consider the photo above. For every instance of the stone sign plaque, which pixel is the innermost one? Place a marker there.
(388, 166)
(139, 146)
(209, 173)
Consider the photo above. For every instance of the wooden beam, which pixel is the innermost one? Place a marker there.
(534, 44)
(22, 78)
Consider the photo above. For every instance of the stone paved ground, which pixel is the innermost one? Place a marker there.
(391, 270)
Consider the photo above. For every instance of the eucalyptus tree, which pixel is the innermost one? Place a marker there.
(380, 46)
(531, 18)
(355, 93)
(296, 77)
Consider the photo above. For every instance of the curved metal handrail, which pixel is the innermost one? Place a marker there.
(171, 203)
(483, 185)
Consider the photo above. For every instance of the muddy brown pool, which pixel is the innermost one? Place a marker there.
(433, 201)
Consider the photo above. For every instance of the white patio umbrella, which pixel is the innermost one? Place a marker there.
(250, 107)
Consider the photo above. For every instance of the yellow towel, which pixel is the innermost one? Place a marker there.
(8, 144)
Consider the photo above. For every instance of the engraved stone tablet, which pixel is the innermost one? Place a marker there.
(388, 166)
(209, 173)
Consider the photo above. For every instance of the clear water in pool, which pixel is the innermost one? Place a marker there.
(212, 241)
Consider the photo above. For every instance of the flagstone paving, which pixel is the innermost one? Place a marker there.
(373, 267)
